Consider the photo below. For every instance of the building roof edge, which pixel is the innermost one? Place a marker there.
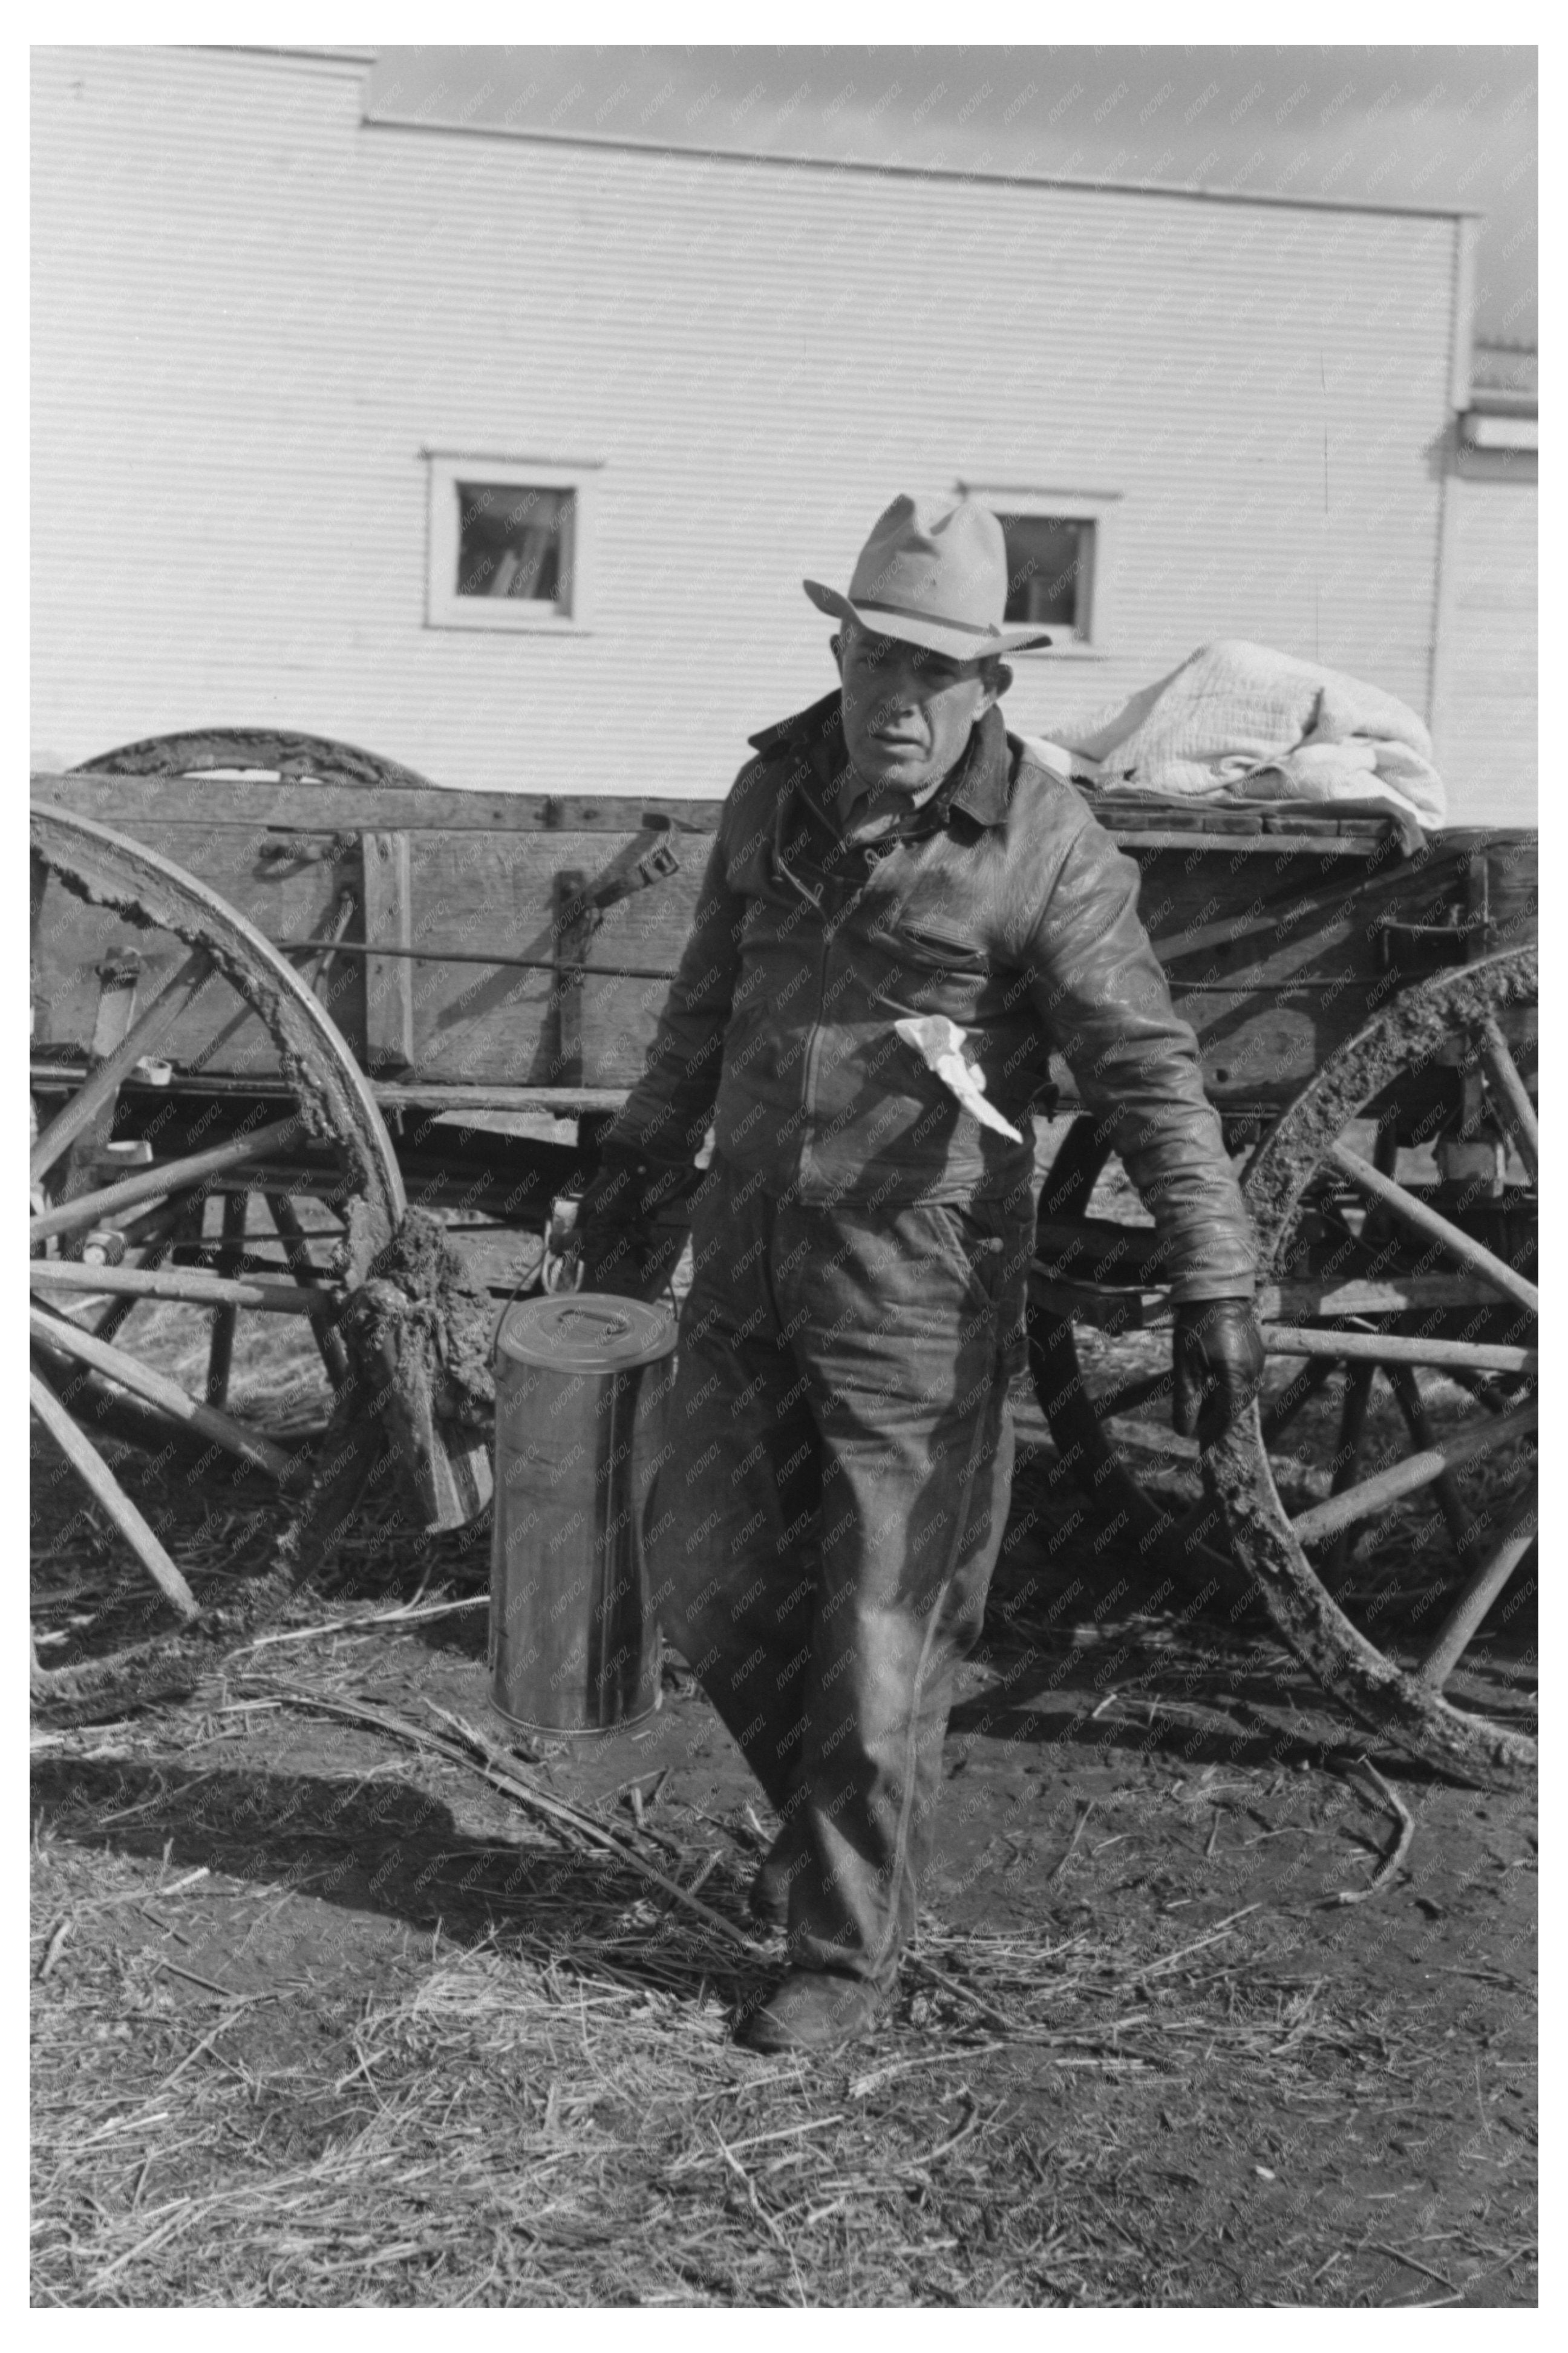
(1193, 191)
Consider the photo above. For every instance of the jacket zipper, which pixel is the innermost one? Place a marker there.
(813, 1050)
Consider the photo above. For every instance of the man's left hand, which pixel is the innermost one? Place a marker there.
(1218, 1364)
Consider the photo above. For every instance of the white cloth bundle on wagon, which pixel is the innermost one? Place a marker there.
(1239, 722)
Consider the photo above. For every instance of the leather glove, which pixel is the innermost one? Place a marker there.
(620, 1242)
(1217, 1360)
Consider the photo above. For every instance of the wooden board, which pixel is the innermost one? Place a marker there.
(130, 802)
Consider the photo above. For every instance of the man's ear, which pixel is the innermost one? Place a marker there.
(836, 643)
(996, 686)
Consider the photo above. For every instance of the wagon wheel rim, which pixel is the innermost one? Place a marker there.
(292, 757)
(1461, 1019)
(121, 1235)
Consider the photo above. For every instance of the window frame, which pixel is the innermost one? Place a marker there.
(443, 607)
(1095, 641)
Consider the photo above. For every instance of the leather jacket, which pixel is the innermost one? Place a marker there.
(1000, 902)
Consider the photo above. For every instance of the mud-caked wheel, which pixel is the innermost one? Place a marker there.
(1395, 1203)
(225, 751)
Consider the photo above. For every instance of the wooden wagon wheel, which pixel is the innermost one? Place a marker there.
(1361, 1309)
(1440, 1276)
(118, 1222)
(292, 758)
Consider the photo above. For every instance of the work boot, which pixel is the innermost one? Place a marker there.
(768, 1899)
(813, 2009)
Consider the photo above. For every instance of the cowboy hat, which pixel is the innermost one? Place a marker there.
(932, 575)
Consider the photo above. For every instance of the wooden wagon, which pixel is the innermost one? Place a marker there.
(277, 974)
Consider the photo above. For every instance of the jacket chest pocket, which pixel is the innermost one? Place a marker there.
(925, 966)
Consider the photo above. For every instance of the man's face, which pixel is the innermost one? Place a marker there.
(907, 712)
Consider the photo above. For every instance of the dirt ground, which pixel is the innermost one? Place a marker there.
(322, 2017)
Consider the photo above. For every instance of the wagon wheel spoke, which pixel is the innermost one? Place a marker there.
(102, 1485)
(297, 1257)
(1132, 1395)
(193, 1286)
(1406, 1390)
(154, 1237)
(162, 1178)
(1486, 1392)
(1480, 1591)
(1294, 1398)
(301, 1118)
(1351, 1505)
(57, 1330)
(173, 999)
(1346, 1459)
(1509, 1093)
(1459, 1359)
(226, 1321)
(1419, 1218)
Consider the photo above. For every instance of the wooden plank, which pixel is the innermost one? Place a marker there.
(326, 808)
(572, 930)
(388, 910)
(129, 802)
(1262, 845)
(563, 1102)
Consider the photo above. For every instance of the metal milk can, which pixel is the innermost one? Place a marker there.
(574, 1642)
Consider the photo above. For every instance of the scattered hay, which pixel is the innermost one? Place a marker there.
(529, 2096)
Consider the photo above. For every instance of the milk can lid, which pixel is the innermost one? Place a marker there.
(585, 1330)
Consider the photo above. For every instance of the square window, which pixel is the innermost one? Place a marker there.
(509, 544)
(515, 540)
(1061, 571)
(1050, 562)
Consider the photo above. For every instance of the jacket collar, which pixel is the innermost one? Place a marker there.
(979, 782)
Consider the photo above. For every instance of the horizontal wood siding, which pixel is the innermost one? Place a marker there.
(253, 314)
(1488, 743)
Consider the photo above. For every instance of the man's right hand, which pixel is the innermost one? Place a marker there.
(616, 1239)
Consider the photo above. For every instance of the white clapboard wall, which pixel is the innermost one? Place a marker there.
(254, 315)
(1489, 707)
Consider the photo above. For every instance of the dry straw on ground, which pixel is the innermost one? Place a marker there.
(538, 2103)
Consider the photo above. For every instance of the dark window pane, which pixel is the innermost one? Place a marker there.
(513, 541)
(1048, 569)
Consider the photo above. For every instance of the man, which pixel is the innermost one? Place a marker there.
(835, 1493)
